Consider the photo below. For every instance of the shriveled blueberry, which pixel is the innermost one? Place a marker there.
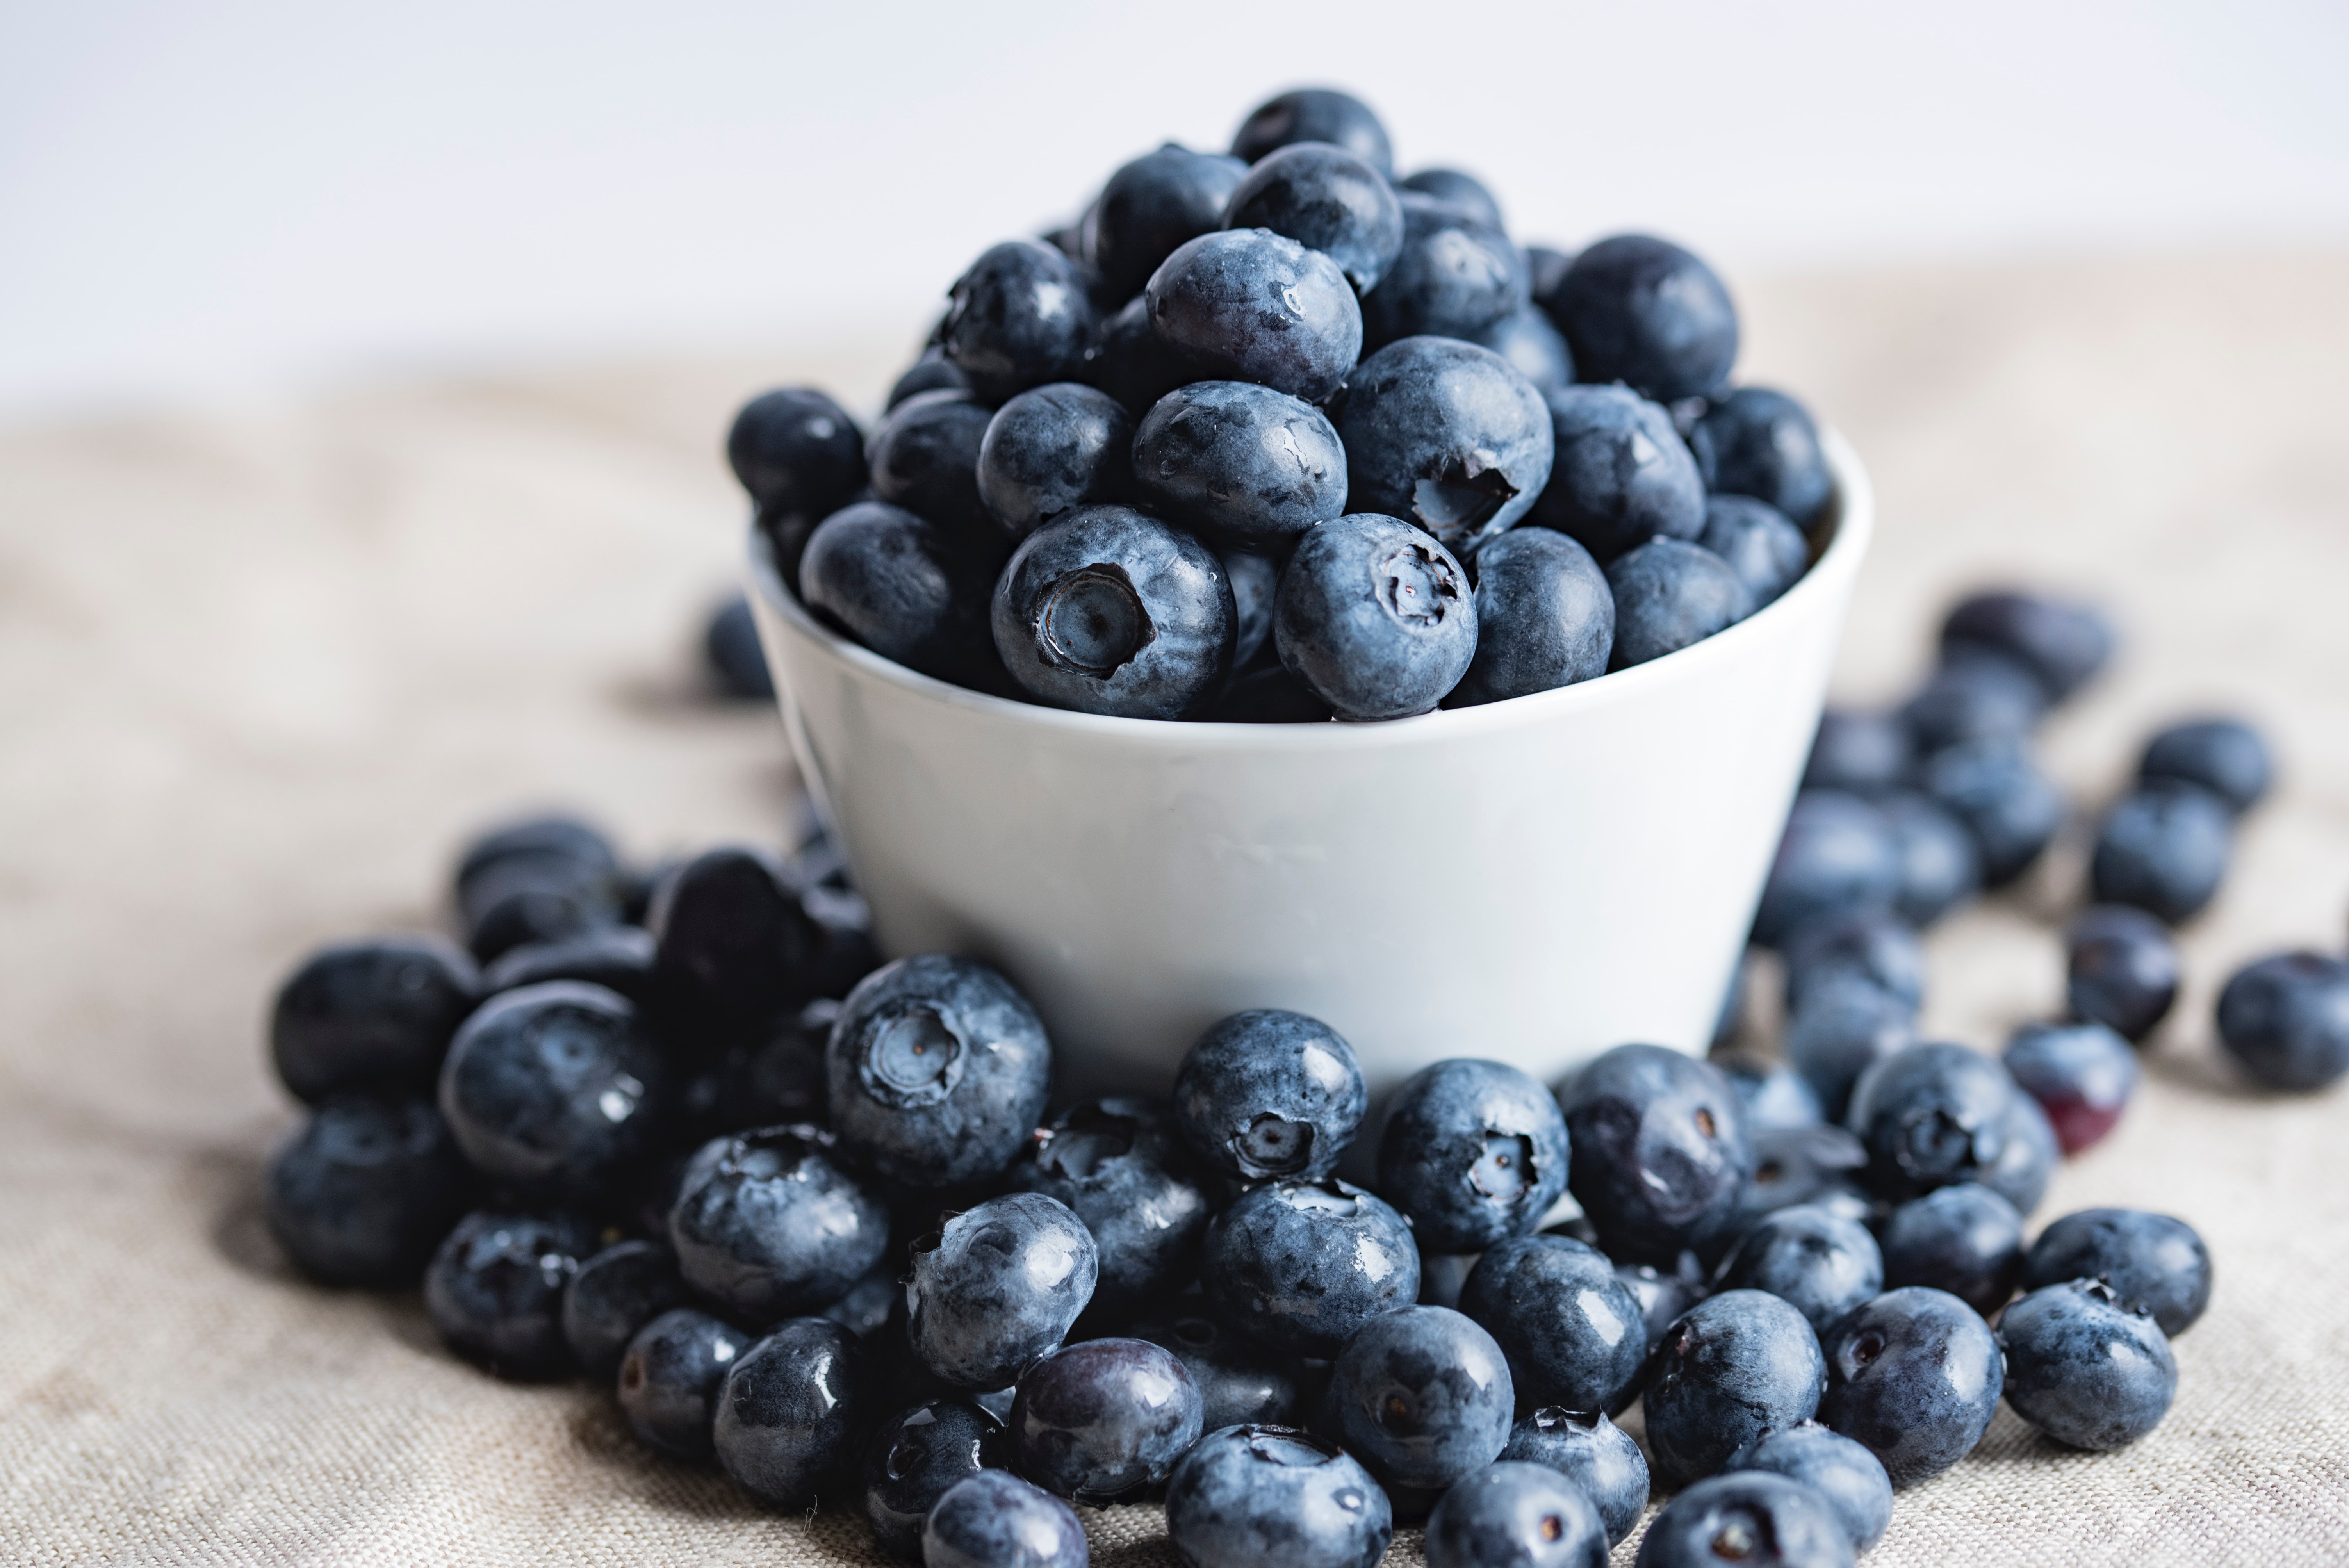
(767, 1225)
(1736, 1366)
(1544, 617)
(2164, 849)
(2082, 1075)
(1659, 1149)
(1300, 1265)
(925, 459)
(2285, 1020)
(1018, 319)
(1819, 1263)
(1249, 304)
(937, 1070)
(1622, 476)
(1095, 1420)
(2024, 1167)
(1255, 579)
(1966, 1239)
(1914, 1378)
(1314, 114)
(1119, 1165)
(997, 1287)
(615, 1293)
(2062, 644)
(1515, 1515)
(1456, 274)
(373, 1016)
(1327, 198)
(933, 372)
(902, 587)
(1768, 553)
(790, 1410)
(669, 1378)
(1996, 789)
(1108, 609)
(1253, 466)
(1847, 1024)
(1930, 1115)
(1422, 1396)
(1129, 362)
(2121, 969)
(1154, 203)
(1747, 1516)
(1940, 866)
(1473, 1151)
(1052, 448)
(1865, 944)
(1760, 442)
(733, 942)
(2224, 756)
(1573, 1333)
(1864, 753)
(1527, 340)
(914, 1456)
(364, 1190)
(1269, 694)
(494, 1290)
(616, 957)
(2085, 1369)
(554, 1090)
(1644, 311)
(1270, 1093)
(2150, 1261)
(1775, 1095)
(1983, 696)
(1592, 1453)
(1445, 435)
(1255, 1493)
(1835, 859)
(1663, 1294)
(995, 1519)
(1670, 595)
(797, 451)
(1849, 1477)
(1376, 616)
(1239, 1381)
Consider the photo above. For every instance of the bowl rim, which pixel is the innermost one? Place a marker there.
(1850, 523)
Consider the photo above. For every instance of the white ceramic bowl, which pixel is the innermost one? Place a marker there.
(1532, 881)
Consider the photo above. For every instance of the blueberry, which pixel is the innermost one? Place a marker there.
(1913, 1376)
(554, 837)
(1966, 1239)
(1152, 205)
(1940, 866)
(1445, 435)
(937, 1070)
(374, 1016)
(2082, 1075)
(733, 941)
(1251, 466)
(1844, 1472)
(1995, 789)
(1473, 1151)
(1456, 188)
(1375, 616)
(1864, 753)
(1867, 944)
(1662, 1297)
(670, 1380)
(1930, 1115)
(1239, 1381)
(925, 459)
(2150, 1261)
(1836, 858)
(1766, 551)
(1544, 617)
(1775, 1095)
(365, 1190)
(770, 1075)
(1269, 694)
(1515, 1515)
(1095, 1420)
(1669, 595)
(902, 587)
(1456, 274)
(933, 372)
(1759, 442)
(872, 1303)
(1018, 319)
(1128, 361)
(616, 957)
(997, 1287)
(1804, 1165)
(731, 656)
(615, 1293)
(1108, 609)
(1847, 1024)
(1314, 114)
(494, 1290)
(1592, 1453)
(1120, 1167)
(2021, 1171)
(797, 453)
(1050, 449)
(1526, 339)
(2085, 1369)
(1270, 1093)
(2122, 969)
(790, 1410)
(2285, 1020)
(1736, 1366)
(1747, 1516)
(554, 1090)
(1660, 1149)
(1249, 304)
(2164, 849)
(766, 1225)
(1622, 475)
(995, 1519)
(1300, 1265)
(1255, 579)
(1574, 1334)
(2224, 756)
(1250, 1494)
(1819, 1263)
(1422, 1396)
(1983, 696)
(1327, 198)
(1644, 311)
(914, 1456)
(2062, 644)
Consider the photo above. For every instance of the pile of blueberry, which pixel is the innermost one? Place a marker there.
(1252, 440)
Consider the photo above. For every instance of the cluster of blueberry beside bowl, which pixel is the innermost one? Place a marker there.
(1254, 440)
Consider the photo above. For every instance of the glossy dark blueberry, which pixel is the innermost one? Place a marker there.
(669, 1378)
(1768, 553)
(1748, 1516)
(364, 1189)
(2062, 644)
(1868, 945)
(1327, 198)
(1120, 1166)
(1515, 1515)
(1837, 858)
(1314, 114)
(914, 1456)
(1270, 1093)
(900, 586)
(2024, 1167)
(733, 943)
(1152, 205)
(494, 1290)
(1622, 477)
(2224, 756)
(1527, 340)
(790, 1411)
(1259, 1494)
(1661, 1150)
(1095, 1420)
(1052, 448)
(374, 1016)
(1760, 442)
(1670, 595)
(1255, 579)
(933, 372)
(1456, 275)
(1814, 1165)
(995, 1519)
(2164, 849)
(2150, 1260)
(1018, 319)
(1644, 311)
(766, 1225)
(1544, 617)
(1250, 465)
(1300, 1265)
(1736, 1366)
(1422, 1396)
(1128, 361)
(1376, 616)
(1966, 1239)
(731, 656)
(1269, 694)
(1997, 791)
(1107, 610)
(1940, 866)
(1592, 1453)
(1820, 1263)
(2085, 1369)
(1985, 696)
(1913, 1376)
(2082, 1075)
(554, 1090)
(616, 957)
(2122, 969)
(1239, 1381)
(1865, 753)
(1847, 1024)
(925, 459)
(2285, 1020)
(1663, 1294)
(1445, 435)
(1471, 1152)
(615, 1293)
(1849, 1477)
(1249, 304)
(1573, 1333)
(1930, 1115)
(937, 1070)
(997, 1289)
(797, 451)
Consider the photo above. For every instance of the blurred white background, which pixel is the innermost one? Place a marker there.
(257, 197)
